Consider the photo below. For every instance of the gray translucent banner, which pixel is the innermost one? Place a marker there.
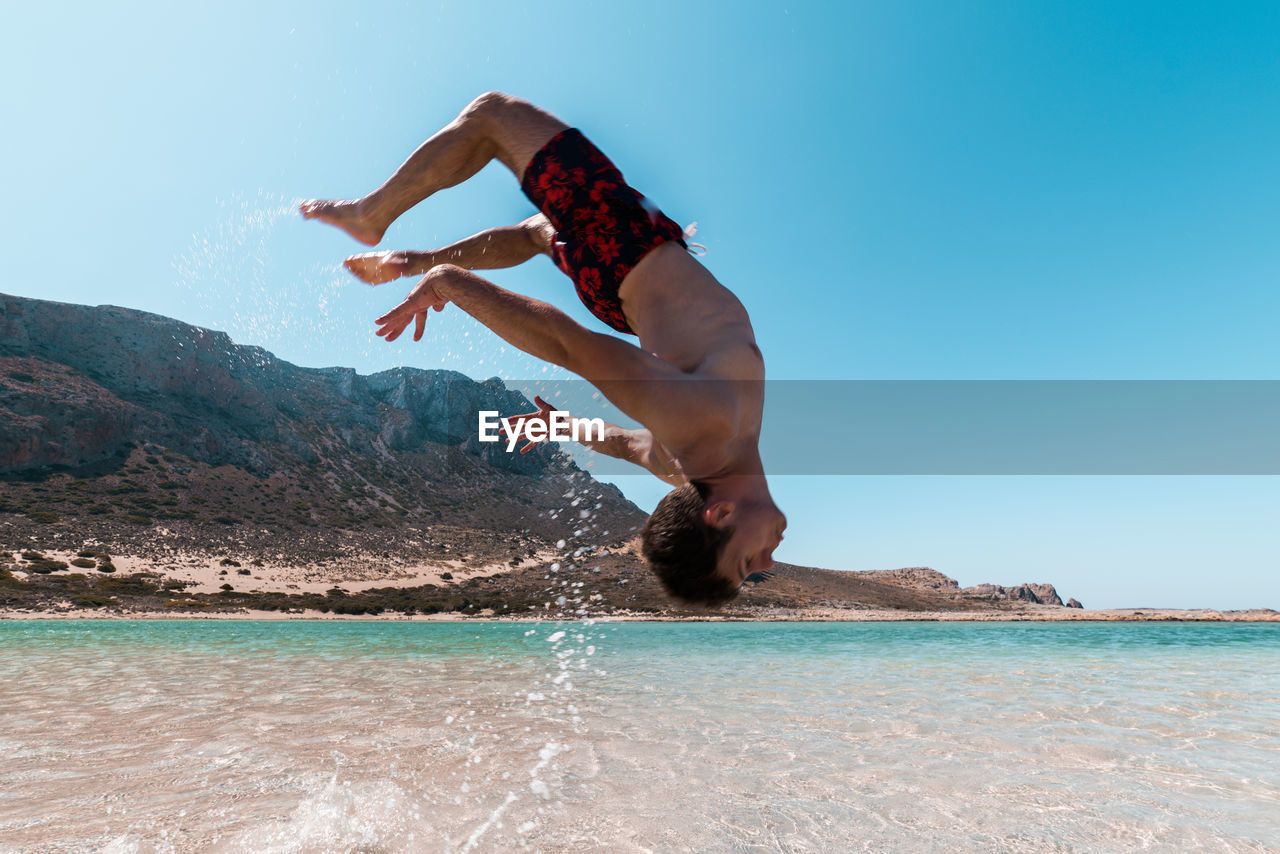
(984, 427)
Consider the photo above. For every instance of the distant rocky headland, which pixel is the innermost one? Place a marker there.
(151, 466)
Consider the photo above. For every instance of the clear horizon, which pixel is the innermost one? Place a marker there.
(918, 192)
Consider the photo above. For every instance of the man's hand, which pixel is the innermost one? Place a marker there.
(542, 414)
(420, 300)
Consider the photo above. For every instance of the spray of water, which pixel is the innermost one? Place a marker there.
(242, 277)
(572, 637)
(258, 274)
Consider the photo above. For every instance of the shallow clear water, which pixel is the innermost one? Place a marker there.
(397, 736)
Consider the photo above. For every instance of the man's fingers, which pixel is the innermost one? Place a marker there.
(515, 424)
(393, 323)
(393, 326)
(419, 325)
(533, 444)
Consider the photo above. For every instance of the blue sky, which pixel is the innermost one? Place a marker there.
(917, 190)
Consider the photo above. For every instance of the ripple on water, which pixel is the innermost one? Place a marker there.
(702, 737)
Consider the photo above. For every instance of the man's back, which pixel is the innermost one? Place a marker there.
(684, 316)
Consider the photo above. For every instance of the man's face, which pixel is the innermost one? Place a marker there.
(757, 531)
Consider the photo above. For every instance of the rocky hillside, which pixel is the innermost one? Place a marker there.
(924, 578)
(148, 463)
(114, 421)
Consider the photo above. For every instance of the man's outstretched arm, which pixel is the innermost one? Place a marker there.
(669, 402)
(633, 445)
(638, 446)
(491, 249)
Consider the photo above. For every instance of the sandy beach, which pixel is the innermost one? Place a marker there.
(202, 579)
(825, 615)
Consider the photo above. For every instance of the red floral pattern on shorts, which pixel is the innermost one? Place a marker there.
(603, 226)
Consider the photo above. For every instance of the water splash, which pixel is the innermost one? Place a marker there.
(262, 274)
(345, 815)
(572, 642)
(250, 275)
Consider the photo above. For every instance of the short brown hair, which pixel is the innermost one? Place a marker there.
(684, 551)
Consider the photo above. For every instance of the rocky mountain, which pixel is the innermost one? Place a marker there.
(82, 384)
(148, 436)
(167, 462)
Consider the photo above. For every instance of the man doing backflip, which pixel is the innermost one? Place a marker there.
(696, 382)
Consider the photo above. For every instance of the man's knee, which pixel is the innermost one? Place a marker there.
(516, 127)
(489, 105)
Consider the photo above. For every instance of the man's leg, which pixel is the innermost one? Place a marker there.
(493, 125)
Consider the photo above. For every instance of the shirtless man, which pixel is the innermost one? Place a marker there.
(696, 382)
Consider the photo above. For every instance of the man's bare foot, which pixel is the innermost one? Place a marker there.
(378, 267)
(346, 216)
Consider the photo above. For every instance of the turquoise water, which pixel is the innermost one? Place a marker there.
(420, 736)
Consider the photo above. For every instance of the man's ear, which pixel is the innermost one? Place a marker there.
(717, 513)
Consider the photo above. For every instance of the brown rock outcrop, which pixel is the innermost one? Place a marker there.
(1036, 594)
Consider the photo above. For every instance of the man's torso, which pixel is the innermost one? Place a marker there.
(631, 268)
(685, 317)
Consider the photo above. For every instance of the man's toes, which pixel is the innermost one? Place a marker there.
(320, 208)
(363, 272)
(315, 209)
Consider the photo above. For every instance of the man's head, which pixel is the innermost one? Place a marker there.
(703, 540)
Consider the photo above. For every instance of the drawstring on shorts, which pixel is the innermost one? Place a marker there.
(689, 231)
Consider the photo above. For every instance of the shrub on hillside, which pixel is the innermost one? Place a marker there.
(93, 600)
(45, 566)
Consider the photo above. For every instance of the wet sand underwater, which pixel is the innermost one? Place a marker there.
(296, 736)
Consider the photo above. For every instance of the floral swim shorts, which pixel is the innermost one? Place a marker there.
(603, 227)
